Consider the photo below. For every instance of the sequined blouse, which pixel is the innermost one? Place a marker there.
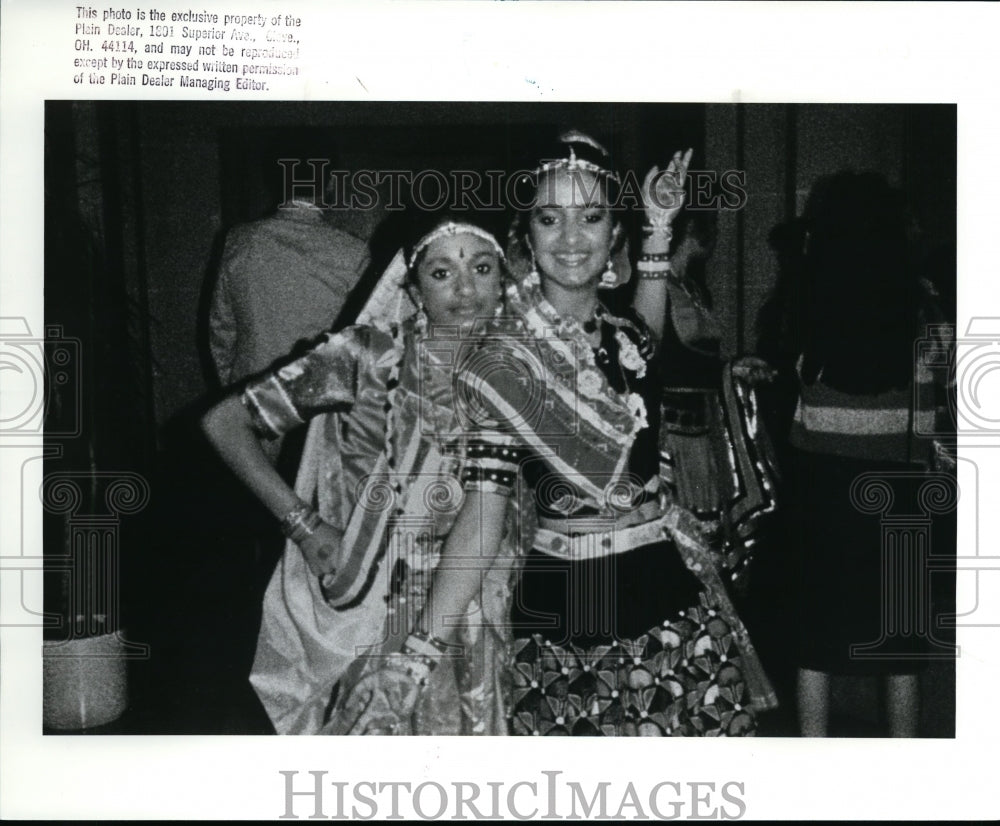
(385, 471)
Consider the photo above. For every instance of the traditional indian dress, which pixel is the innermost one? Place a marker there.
(622, 625)
(692, 319)
(717, 458)
(382, 462)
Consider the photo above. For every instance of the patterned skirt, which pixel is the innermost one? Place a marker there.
(680, 679)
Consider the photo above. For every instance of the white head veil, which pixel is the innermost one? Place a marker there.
(390, 302)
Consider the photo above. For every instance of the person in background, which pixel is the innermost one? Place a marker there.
(862, 401)
(283, 280)
(690, 302)
(717, 458)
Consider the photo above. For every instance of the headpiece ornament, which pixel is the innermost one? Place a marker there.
(573, 162)
(450, 229)
(390, 302)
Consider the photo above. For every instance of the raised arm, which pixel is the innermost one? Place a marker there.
(663, 197)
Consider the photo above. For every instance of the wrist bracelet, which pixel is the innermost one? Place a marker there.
(654, 256)
(300, 522)
(425, 645)
(306, 528)
(654, 275)
(293, 518)
(660, 230)
(658, 266)
(415, 667)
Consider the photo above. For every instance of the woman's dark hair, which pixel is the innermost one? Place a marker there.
(860, 297)
(569, 144)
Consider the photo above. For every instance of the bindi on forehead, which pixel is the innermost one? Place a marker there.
(475, 252)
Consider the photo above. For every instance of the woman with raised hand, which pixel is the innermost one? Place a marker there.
(621, 623)
(860, 436)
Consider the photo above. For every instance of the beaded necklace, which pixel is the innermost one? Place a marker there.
(591, 377)
(409, 578)
(390, 407)
(392, 389)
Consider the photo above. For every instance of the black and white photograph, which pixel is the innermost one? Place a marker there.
(741, 564)
(463, 419)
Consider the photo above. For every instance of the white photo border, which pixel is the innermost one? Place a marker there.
(451, 51)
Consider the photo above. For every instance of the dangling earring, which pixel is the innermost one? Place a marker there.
(609, 278)
(534, 266)
(420, 324)
(498, 310)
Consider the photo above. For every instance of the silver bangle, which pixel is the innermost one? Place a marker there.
(300, 522)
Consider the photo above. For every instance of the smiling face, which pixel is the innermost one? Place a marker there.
(459, 279)
(571, 229)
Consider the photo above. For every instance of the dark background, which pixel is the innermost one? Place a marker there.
(138, 199)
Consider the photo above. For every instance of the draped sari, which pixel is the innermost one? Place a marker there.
(316, 639)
